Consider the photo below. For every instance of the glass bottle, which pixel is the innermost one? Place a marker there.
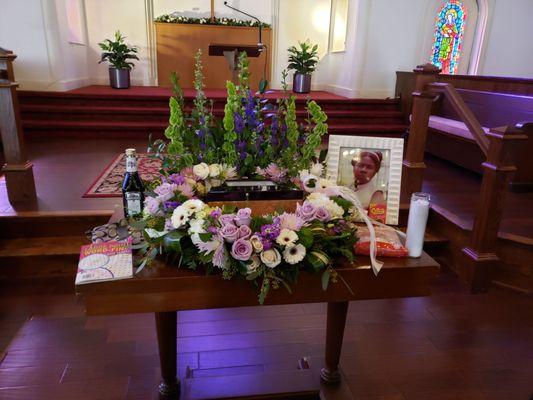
(132, 186)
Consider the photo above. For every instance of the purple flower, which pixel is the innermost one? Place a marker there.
(215, 213)
(165, 191)
(151, 205)
(267, 244)
(177, 179)
(239, 123)
(243, 217)
(245, 231)
(242, 249)
(322, 214)
(274, 172)
(307, 211)
(291, 221)
(168, 225)
(230, 233)
(270, 232)
(212, 230)
(226, 219)
(170, 205)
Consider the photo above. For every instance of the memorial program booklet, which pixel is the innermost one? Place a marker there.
(106, 261)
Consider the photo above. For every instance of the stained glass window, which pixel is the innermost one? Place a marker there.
(449, 29)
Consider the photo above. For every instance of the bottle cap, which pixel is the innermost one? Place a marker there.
(131, 152)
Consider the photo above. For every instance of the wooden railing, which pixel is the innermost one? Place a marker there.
(17, 169)
(500, 146)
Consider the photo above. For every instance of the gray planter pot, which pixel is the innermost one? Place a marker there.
(301, 83)
(119, 78)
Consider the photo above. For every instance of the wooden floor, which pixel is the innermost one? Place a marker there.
(451, 345)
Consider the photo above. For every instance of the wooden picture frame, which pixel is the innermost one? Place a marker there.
(372, 166)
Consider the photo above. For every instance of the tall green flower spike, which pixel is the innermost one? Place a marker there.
(231, 107)
(314, 139)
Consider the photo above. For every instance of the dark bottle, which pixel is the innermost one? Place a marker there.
(132, 187)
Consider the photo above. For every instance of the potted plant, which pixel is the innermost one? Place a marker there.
(118, 54)
(303, 61)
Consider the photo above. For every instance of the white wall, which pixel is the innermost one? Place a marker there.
(104, 17)
(299, 20)
(509, 50)
(36, 30)
(383, 36)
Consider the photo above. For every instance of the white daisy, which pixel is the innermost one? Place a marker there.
(294, 254)
(180, 217)
(287, 237)
(193, 205)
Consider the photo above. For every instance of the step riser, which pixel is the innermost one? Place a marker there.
(163, 117)
(45, 134)
(54, 101)
(18, 227)
(15, 268)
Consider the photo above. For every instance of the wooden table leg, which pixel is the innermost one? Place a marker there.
(334, 334)
(166, 325)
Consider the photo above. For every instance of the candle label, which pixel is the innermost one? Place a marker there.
(377, 212)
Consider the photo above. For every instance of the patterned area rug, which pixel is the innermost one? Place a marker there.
(109, 182)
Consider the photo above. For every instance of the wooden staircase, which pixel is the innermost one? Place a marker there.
(122, 115)
(39, 244)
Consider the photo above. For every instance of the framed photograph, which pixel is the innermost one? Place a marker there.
(372, 167)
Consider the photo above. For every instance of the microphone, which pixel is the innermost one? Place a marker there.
(260, 45)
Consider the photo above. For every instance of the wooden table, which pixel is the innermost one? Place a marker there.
(163, 290)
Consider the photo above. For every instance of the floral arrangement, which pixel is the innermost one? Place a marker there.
(176, 18)
(254, 139)
(268, 250)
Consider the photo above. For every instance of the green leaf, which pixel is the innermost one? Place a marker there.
(325, 280)
(139, 225)
(206, 236)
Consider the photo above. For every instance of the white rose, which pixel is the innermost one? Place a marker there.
(255, 262)
(196, 226)
(335, 211)
(317, 169)
(201, 170)
(256, 243)
(271, 258)
(214, 170)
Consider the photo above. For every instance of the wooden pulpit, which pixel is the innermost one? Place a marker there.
(231, 52)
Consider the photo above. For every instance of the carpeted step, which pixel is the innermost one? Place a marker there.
(32, 112)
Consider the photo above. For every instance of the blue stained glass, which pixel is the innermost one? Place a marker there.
(448, 39)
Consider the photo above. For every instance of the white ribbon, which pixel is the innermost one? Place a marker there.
(350, 195)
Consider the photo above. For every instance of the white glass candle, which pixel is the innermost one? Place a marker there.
(416, 224)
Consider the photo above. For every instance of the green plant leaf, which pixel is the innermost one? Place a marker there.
(325, 280)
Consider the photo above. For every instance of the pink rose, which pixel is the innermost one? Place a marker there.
(244, 217)
(322, 214)
(230, 233)
(242, 249)
(306, 211)
(245, 232)
(226, 219)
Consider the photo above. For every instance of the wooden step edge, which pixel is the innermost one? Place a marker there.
(272, 385)
(55, 214)
(42, 246)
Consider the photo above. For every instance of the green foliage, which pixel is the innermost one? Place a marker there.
(314, 139)
(117, 53)
(180, 19)
(303, 60)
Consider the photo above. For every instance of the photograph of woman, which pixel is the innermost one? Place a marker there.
(366, 172)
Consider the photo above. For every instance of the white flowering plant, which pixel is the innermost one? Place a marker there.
(269, 251)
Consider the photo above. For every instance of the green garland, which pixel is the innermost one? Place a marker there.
(169, 18)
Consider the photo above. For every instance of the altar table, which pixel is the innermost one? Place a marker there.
(164, 290)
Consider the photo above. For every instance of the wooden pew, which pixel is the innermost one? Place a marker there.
(450, 139)
(500, 148)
